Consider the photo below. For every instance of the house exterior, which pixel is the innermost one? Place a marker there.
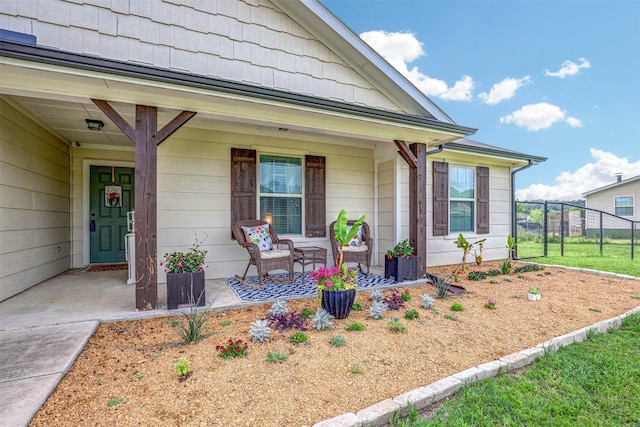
(620, 199)
(209, 112)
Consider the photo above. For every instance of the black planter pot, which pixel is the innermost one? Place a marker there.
(401, 268)
(338, 303)
(180, 288)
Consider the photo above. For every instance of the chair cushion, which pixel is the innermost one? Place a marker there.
(275, 253)
(357, 239)
(361, 248)
(260, 236)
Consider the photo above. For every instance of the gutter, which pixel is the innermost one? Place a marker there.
(56, 57)
(514, 220)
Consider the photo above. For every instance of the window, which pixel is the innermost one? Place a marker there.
(280, 193)
(623, 206)
(461, 199)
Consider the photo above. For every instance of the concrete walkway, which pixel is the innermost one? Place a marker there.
(45, 328)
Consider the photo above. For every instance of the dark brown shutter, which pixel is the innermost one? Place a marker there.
(243, 184)
(482, 185)
(440, 198)
(315, 196)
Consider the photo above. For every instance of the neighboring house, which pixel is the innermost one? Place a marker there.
(622, 199)
(263, 109)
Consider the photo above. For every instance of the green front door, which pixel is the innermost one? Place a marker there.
(112, 196)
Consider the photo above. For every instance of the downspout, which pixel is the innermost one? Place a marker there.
(514, 224)
(437, 150)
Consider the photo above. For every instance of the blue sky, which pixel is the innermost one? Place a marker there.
(559, 79)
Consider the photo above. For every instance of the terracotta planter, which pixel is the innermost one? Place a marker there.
(180, 288)
(401, 268)
(338, 303)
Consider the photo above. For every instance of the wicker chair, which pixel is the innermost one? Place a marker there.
(280, 258)
(360, 254)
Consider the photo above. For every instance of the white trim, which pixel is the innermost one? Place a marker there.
(633, 206)
(86, 195)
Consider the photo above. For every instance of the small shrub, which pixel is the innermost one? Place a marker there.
(279, 307)
(285, 321)
(356, 326)
(276, 357)
(520, 276)
(491, 303)
(411, 315)
(406, 296)
(528, 268)
(357, 306)
(397, 327)
(232, 348)
(507, 279)
(456, 306)
(337, 341)
(450, 316)
(225, 323)
(442, 287)
(395, 300)
(259, 331)
(115, 401)
(477, 276)
(494, 281)
(298, 337)
(306, 313)
(194, 326)
(505, 266)
(182, 367)
(493, 272)
(172, 322)
(377, 308)
(427, 301)
(376, 295)
(356, 369)
(322, 320)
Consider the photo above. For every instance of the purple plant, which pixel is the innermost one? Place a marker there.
(394, 301)
(291, 320)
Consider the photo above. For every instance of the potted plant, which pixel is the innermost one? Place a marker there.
(185, 277)
(337, 285)
(534, 294)
(401, 262)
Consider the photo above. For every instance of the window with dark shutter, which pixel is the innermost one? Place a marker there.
(440, 198)
(243, 184)
(315, 205)
(482, 184)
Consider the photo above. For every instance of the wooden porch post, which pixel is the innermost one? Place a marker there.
(146, 139)
(416, 158)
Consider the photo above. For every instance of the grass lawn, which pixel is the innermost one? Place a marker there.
(615, 257)
(594, 383)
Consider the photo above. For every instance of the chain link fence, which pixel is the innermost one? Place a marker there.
(553, 228)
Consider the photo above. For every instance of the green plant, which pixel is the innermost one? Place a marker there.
(466, 247)
(356, 326)
(505, 267)
(344, 234)
(337, 341)
(493, 281)
(276, 357)
(442, 287)
(259, 331)
(511, 243)
(232, 348)
(406, 296)
(397, 327)
(493, 272)
(456, 306)
(356, 369)
(477, 275)
(534, 291)
(507, 279)
(528, 268)
(491, 303)
(306, 313)
(402, 249)
(357, 306)
(225, 323)
(115, 401)
(299, 337)
(180, 262)
(182, 367)
(450, 316)
(194, 326)
(411, 315)
(322, 320)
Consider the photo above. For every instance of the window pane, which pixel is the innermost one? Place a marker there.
(284, 213)
(280, 175)
(461, 216)
(624, 211)
(623, 201)
(461, 183)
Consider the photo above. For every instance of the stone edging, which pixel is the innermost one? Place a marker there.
(378, 414)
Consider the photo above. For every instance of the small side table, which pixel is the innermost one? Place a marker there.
(310, 255)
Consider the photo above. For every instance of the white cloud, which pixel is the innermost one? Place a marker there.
(535, 117)
(400, 49)
(569, 68)
(504, 90)
(571, 185)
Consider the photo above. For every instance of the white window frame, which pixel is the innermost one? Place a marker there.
(301, 195)
(616, 206)
(473, 200)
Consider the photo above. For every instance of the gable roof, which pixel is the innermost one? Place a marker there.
(615, 184)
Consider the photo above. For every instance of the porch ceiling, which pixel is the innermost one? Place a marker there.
(59, 99)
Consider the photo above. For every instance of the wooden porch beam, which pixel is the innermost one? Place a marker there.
(418, 205)
(406, 153)
(146, 139)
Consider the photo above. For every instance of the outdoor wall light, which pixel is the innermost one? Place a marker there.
(94, 124)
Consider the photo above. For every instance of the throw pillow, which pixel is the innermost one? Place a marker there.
(357, 239)
(260, 236)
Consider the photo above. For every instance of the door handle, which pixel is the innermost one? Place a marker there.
(92, 225)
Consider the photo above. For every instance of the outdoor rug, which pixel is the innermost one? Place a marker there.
(110, 267)
(299, 289)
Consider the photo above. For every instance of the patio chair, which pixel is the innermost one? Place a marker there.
(359, 250)
(266, 250)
